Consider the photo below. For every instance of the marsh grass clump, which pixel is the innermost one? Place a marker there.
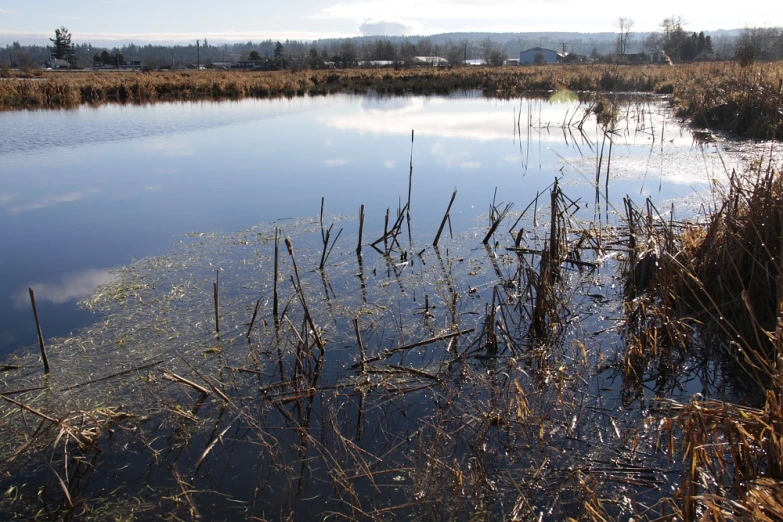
(716, 288)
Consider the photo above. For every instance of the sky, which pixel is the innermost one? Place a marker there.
(116, 22)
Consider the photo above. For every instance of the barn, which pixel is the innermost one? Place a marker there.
(529, 56)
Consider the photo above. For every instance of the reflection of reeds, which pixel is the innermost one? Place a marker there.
(719, 95)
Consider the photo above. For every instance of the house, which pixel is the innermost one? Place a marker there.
(134, 65)
(475, 62)
(376, 63)
(543, 55)
(249, 64)
(56, 63)
(432, 61)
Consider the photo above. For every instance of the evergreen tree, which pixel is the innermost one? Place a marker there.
(63, 48)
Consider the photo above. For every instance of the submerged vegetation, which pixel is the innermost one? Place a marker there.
(722, 96)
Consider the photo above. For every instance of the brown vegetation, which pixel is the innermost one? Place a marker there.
(716, 288)
(746, 101)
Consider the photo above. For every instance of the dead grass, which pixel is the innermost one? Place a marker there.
(716, 288)
(722, 96)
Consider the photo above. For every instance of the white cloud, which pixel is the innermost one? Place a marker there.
(70, 287)
(119, 38)
(53, 200)
(335, 162)
(389, 164)
(388, 28)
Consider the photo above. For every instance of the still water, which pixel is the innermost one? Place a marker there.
(88, 191)
(91, 189)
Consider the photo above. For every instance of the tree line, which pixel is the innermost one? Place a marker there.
(673, 42)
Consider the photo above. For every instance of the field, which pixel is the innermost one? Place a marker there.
(723, 96)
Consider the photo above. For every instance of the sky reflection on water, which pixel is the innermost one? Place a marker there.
(86, 190)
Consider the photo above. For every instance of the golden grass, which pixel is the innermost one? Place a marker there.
(719, 95)
(723, 282)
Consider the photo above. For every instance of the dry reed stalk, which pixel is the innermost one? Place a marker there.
(274, 282)
(445, 217)
(38, 330)
(253, 319)
(361, 228)
(215, 294)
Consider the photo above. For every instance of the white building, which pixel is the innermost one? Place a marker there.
(546, 56)
(432, 61)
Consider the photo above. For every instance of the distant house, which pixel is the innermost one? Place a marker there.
(56, 63)
(432, 61)
(546, 56)
(134, 65)
(221, 65)
(475, 62)
(376, 63)
(249, 64)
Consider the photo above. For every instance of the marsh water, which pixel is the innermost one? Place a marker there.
(92, 189)
(131, 210)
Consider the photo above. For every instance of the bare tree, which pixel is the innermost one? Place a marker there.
(624, 26)
(492, 52)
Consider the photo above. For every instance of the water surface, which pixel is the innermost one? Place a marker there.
(90, 189)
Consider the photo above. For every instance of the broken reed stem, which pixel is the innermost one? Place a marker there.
(298, 286)
(321, 219)
(496, 220)
(361, 228)
(388, 353)
(554, 254)
(445, 217)
(274, 284)
(40, 335)
(171, 376)
(325, 237)
(215, 290)
(359, 342)
(253, 320)
(391, 232)
(385, 230)
(410, 177)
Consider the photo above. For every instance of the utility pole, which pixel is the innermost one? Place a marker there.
(564, 48)
(198, 55)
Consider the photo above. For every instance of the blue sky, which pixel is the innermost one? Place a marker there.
(144, 21)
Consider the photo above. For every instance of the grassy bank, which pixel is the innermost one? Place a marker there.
(721, 96)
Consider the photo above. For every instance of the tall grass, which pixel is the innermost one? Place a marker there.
(717, 287)
(746, 101)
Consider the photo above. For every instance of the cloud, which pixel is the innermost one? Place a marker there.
(53, 200)
(112, 39)
(70, 287)
(435, 118)
(335, 162)
(453, 159)
(389, 164)
(6, 12)
(386, 28)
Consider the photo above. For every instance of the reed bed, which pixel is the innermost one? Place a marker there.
(715, 290)
(722, 96)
